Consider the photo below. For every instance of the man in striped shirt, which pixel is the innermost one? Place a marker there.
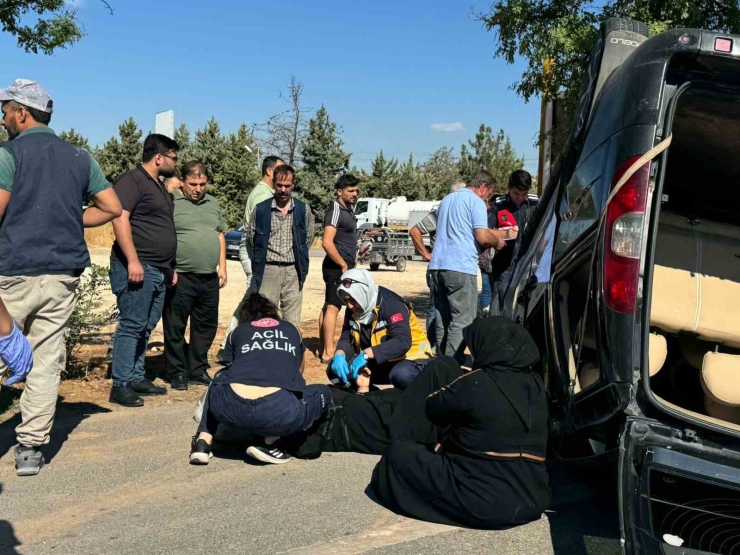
(340, 244)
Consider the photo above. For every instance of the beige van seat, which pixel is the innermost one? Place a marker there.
(696, 292)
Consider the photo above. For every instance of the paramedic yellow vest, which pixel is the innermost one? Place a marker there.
(420, 347)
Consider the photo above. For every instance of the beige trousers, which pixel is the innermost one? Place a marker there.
(280, 285)
(41, 307)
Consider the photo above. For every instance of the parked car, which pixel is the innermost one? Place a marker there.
(233, 240)
(635, 301)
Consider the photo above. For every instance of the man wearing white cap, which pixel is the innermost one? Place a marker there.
(44, 184)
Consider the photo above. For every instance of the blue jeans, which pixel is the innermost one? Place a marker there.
(140, 306)
(484, 300)
(431, 315)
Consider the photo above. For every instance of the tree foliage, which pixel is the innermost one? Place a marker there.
(123, 153)
(323, 161)
(490, 152)
(284, 132)
(555, 37)
(74, 138)
(3, 134)
(57, 25)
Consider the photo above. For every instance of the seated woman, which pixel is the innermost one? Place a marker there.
(466, 449)
(262, 392)
(381, 337)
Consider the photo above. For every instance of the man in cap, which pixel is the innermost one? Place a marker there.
(44, 184)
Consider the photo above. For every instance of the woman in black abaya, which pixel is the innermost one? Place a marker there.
(466, 449)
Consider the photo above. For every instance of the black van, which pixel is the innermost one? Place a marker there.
(635, 300)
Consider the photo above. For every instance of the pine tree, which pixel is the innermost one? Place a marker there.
(409, 181)
(119, 156)
(209, 149)
(439, 172)
(379, 183)
(323, 159)
(74, 138)
(490, 152)
(239, 175)
(182, 138)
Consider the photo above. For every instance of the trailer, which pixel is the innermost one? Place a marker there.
(384, 246)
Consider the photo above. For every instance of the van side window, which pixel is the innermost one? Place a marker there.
(580, 206)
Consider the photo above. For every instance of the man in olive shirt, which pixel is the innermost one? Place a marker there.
(201, 272)
(44, 184)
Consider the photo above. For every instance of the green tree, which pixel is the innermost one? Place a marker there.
(409, 182)
(239, 175)
(439, 172)
(57, 25)
(74, 138)
(490, 152)
(209, 148)
(555, 37)
(121, 154)
(182, 137)
(323, 161)
(3, 134)
(379, 182)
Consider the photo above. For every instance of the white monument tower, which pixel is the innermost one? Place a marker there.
(164, 123)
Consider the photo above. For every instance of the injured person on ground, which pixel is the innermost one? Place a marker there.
(262, 391)
(459, 448)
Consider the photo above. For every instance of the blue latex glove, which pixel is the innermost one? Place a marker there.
(16, 353)
(358, 364)
(339, 366)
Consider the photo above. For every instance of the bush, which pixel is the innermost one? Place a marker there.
(88, 317)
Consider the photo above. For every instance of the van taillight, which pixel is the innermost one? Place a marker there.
(623, 238)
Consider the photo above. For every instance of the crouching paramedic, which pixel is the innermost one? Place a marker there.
(262, 392)
(381, 337)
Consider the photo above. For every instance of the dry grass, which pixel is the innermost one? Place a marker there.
(100, 236)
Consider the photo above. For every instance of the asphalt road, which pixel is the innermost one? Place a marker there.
(119, 482)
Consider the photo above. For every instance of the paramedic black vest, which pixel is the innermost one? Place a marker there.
(42, 230)
(265, 353)
(262, 228)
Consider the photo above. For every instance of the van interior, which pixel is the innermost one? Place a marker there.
(695, 298)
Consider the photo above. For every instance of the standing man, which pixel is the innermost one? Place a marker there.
(512, 209)
(461, 226)
(262, 191)
(44, 184)
(279, 233)
(428, 226)
(340, 245)
(142, 266)
(201, 272)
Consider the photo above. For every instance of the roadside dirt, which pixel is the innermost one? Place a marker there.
(95, 386)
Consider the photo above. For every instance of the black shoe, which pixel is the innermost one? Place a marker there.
(201, 379)
(179, 382)
(126, 396)
(200, 451)
(28, 460)
(145, 387)
(269, 454)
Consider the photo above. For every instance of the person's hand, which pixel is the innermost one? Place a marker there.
(358, 364)
(221, 277)
(500, 243)
(16, 353)
(339, 366)
(174, 278)
(135, 272)
(427, 256)
(512, 232)
(344, 268)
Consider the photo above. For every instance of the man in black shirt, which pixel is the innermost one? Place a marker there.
(340, 244)
(142, 266)
(512, 209)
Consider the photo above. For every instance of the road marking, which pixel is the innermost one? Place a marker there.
(406, 531)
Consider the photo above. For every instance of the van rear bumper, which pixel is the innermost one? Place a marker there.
(676, 488)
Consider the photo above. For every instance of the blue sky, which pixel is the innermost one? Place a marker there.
(386, 71)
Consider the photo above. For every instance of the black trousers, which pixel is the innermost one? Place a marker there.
(195, 297)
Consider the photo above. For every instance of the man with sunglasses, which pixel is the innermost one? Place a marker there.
(201, 272)
(142, 266)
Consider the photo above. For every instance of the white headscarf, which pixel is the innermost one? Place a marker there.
(364, 291)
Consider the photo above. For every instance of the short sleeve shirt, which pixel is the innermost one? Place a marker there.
(198, 227)
(458, 216)
(343, 219)
(151, 217)
(503, 258)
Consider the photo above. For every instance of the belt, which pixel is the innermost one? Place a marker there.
(269, 263)
(520, 455)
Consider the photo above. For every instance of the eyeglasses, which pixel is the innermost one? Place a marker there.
(173, 158)
(347, 282)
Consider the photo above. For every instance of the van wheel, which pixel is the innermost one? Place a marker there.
(401, 264)
(374, 267)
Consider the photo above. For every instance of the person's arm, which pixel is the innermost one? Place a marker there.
(106, 208)
(452, 403)
(7, 177)
(310, 227)
(122, 231)
(222, 277)
(344, 345)
(398, 335)
(331, 251)
(418, 239)
(249, 232)
(4, 200)
(6, 321)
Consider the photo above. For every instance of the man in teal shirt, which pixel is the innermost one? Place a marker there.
(261, 192)
(44, 184)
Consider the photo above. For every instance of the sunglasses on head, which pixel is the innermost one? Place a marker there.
(347, 282)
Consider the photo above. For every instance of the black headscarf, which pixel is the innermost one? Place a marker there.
(506, 352)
